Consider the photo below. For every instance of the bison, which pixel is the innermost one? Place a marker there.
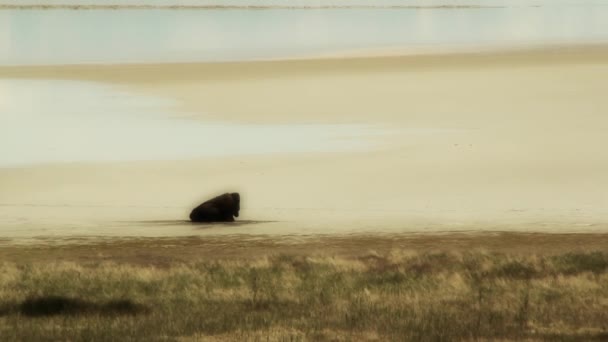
(222, 208)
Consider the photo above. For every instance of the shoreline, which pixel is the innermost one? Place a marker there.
(148, 250)
(234, 7)
(534, 53)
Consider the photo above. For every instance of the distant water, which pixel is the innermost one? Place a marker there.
(63, 121)
(63, 36)
(303, 3)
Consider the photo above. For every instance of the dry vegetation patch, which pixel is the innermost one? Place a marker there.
(396, 294)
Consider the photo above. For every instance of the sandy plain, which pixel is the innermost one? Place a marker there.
(509, 141)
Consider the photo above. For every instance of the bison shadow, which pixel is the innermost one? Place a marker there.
(60, 305)
(200, 224)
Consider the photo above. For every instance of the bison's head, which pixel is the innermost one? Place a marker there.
(237, 203)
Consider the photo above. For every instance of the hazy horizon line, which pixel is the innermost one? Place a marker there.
(229, 7)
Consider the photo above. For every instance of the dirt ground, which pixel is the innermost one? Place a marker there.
(167, 251)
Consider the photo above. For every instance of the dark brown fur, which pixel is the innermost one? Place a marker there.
(222, 208)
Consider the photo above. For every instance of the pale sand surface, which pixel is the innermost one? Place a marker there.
(509, 141)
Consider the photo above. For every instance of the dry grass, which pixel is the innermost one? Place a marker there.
(395, 294)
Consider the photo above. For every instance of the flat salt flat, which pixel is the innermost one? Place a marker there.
(518, 143)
